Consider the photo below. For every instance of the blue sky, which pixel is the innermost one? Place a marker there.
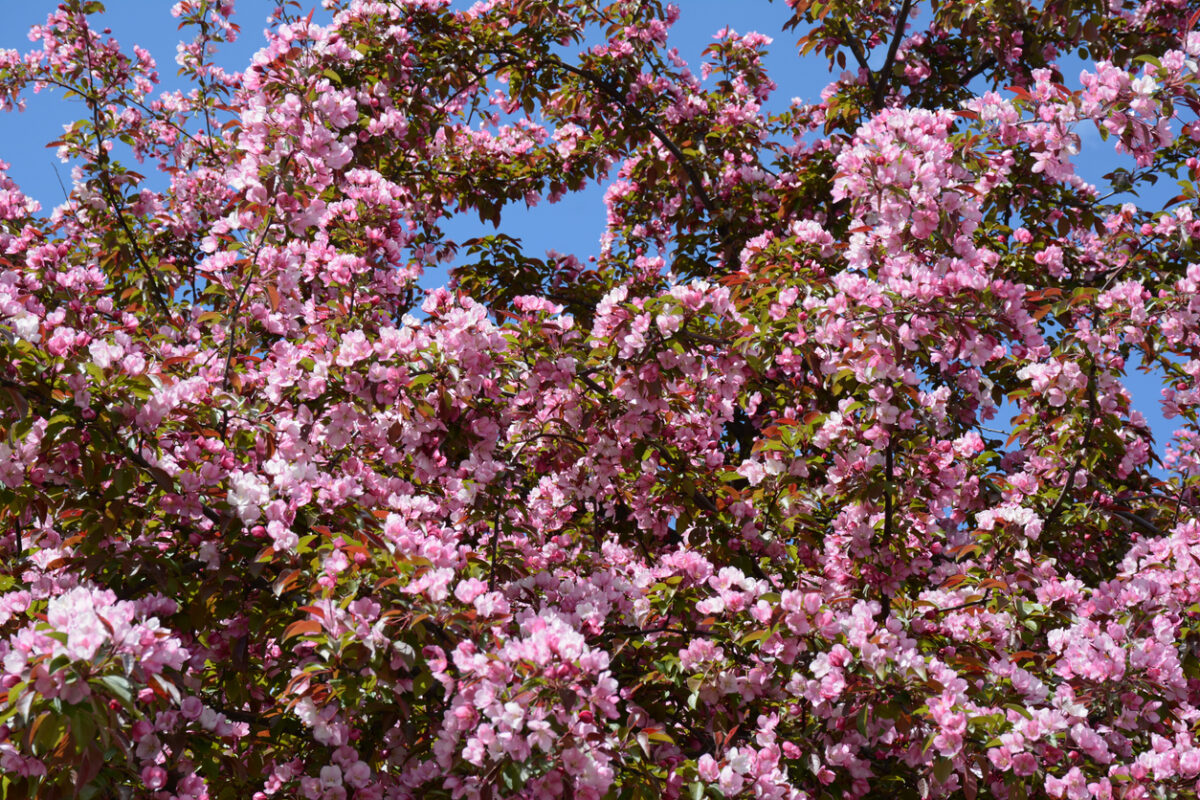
(573, 225)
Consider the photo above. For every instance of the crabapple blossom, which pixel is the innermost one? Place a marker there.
(820, 477)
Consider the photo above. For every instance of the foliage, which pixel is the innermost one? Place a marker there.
(733, 507)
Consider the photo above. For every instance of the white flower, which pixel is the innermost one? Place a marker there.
(1144, 85)
(247, 494)
(331, 775)
(513, 716)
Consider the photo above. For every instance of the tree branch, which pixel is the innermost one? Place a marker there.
(1139, 521)
(1057, 508)
(93, 101)
(494, 552)
(882, 84)
(859, 55)
(885, 606)
(614, 95)
(987, 593)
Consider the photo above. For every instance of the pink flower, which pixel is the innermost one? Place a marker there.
(331, 776)
(154, 777)
(74, 613)
(358, 774)
(752, 471)
(466, 591)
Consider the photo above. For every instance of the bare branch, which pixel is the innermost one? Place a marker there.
(882, 83)
(114, 202)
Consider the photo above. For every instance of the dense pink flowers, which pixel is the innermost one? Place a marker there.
(821, 477)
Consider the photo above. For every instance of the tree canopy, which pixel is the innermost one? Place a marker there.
(819, 478)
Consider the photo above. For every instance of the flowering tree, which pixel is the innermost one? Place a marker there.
(733, 507)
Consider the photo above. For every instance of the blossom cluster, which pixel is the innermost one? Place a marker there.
(820, 478)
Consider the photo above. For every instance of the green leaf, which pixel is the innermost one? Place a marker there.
(755, 636)
(1024, 712)
(119, 686)
(49, 732)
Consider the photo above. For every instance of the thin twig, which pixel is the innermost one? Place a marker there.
(631, 631)
(887, 495)
(885, 606)
(494, 554)
(1057, 508)
(1179, 497)
(110, 195)
(987, 594)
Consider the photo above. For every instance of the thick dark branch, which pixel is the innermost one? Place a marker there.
(1179, 499)
(703, 339)
(881, 85)
(860, 56)
(591, 384)
(613, 94)
(1139, 521)
(978, 69)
